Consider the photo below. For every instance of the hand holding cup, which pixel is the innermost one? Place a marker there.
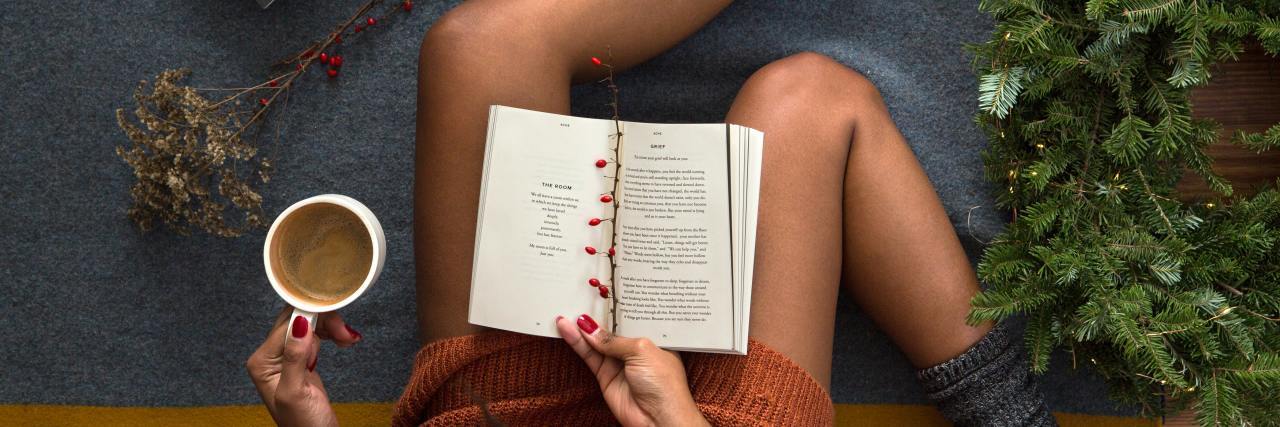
(320, 255)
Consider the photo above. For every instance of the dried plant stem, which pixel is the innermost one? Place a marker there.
(189, 152)
(617, 172)
(304, 60)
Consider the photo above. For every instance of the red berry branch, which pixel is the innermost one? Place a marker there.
(186, 144)
(608, 197)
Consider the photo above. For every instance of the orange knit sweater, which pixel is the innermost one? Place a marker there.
(527, 380)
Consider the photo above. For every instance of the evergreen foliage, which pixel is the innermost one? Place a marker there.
(1086, 108)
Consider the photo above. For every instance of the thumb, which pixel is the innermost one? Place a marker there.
(612, 345)
(300, 349)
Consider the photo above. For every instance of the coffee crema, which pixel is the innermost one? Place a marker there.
(321, 253)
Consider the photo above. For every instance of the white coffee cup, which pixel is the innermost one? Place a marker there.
(379, 244)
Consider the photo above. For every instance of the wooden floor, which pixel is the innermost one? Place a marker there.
(1242, 95)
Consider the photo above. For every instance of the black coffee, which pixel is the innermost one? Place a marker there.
(322, 253)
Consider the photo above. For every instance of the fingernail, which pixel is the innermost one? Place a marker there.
(587, 324)
(353, 332)
(312, 366)
(300, 326)
(558, 318)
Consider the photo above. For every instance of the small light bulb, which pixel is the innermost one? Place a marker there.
(1209, 205)
(1040, 146)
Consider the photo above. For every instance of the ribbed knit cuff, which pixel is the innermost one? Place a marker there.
(988, 385)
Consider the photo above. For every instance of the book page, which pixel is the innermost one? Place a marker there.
(746, 148)
(540, 187)
(676, 285)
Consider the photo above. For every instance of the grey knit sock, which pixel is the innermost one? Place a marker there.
(988, 385)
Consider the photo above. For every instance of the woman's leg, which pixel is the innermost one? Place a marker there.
(902, 261)
(517, 53)
(841, 187)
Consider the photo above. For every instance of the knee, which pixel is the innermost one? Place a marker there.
(814, 79)
(480, 34)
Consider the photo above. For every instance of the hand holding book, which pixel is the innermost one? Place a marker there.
(641, 383)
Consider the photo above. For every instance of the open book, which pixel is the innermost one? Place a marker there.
(687, 197)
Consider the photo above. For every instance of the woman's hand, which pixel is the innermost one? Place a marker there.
(283, 369)
(643, 385)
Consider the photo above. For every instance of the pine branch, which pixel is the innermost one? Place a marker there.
(1217, 405)
(998, 92)
(1090, 130)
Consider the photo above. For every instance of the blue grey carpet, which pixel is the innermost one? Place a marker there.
(92, 311)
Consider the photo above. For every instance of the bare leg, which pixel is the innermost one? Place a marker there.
(516, 53)
(828, 135)
(902, 260)
(840, 184)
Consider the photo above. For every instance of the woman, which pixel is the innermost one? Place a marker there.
(871, 223)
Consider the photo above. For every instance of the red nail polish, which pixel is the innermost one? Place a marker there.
(312, 366)
(300, 326)
(353, 332)
(587, 324)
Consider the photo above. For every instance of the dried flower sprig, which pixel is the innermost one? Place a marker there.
(185, 143)
(609, 197)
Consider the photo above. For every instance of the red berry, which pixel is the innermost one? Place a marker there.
(324, 58)
(337, 38)
(359, 28)
(332, 73)
(591, 250)
(273, 83)
(262, 102)
(604, 291)
(594, 222)
(596, 61)
(601, 163)
(612, 252)
(297, 66)
(606, 198)
(335, 61)
(408, 6)
(371, 21)
(594, 282)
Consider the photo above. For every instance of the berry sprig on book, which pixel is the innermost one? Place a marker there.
(610, 198)
(185, 144)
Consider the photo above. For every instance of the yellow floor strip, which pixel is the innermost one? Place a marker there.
(378, 414)
(349, 414)
(926, 415)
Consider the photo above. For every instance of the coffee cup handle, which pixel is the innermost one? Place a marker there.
(311, 320)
